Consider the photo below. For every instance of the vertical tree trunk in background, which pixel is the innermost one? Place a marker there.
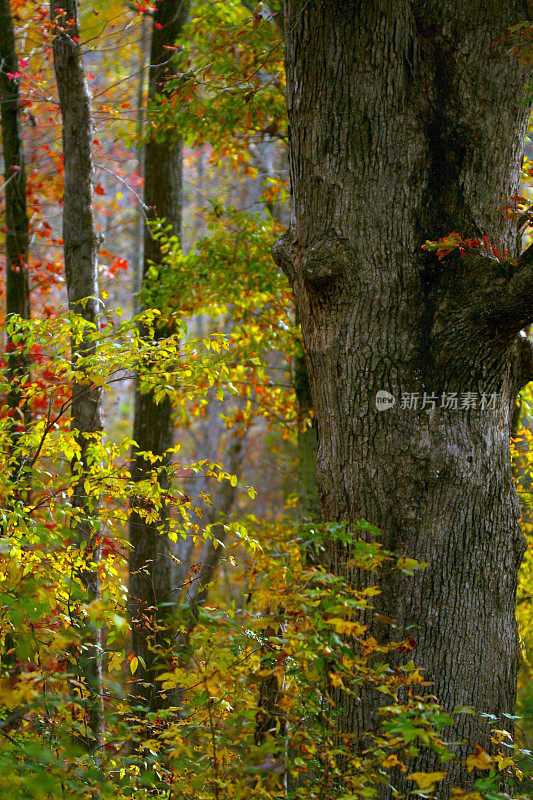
(271, 718)
(17, 284)
(81, 266)
(150, 562)
(223, 503)
(407, 124)
(137, 257)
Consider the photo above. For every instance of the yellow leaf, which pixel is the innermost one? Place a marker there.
(425, 780)
(414, 677)
(372, 591)
(503, 761)
(97, 379)
(479, 760)
(115, 662)
(394, 761)
(335, 679)
(134, 663)
(347, 627)
(498, 736)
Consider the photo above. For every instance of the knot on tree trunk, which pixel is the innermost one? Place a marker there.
(326, 258)
(284, 253)
(321, 261)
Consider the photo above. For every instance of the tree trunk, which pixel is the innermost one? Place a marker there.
(138, 237)
(406, 124)
(223, 504)
(151, 564)
(81, 244)
(17, 283)
(17, 288)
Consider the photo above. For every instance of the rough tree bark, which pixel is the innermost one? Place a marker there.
(138, 237)
(150, 561)
(407, 123)
(81, 244)
(17, 286)
(17, 283)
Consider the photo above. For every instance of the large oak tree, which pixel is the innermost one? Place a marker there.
(407, 123)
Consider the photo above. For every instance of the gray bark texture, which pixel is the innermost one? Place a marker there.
(16, 219)
(407, 123)
(81, 244)
(151, 585)
(17, 288)
(138, 237)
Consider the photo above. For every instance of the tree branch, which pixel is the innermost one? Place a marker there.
(507, 301)
(524, 362)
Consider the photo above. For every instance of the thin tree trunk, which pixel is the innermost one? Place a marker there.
(17, 283)
(271, 719)
(211, 554)
(222, 508)
(406, 124)
(81, 244)
(138, 239)
(151, 563)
